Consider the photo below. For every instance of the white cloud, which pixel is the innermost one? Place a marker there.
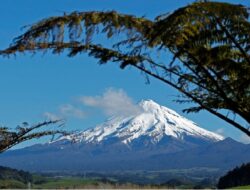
(70, 110)
(112, 102)
(245, 139)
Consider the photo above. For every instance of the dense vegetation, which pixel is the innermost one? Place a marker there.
(240, 176)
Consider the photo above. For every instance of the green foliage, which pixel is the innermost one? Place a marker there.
(209, 41)
(240, 176)
(212, 40)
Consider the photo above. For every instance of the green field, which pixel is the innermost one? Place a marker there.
(242, 187)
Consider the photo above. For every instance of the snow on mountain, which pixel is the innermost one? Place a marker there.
(154, 121)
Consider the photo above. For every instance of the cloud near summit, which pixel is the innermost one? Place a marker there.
(112, 102)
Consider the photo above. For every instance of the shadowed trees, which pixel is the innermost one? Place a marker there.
(208, 43)
(239, 176)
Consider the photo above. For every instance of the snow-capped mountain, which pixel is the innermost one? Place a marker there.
(155, 138)
(154, 121)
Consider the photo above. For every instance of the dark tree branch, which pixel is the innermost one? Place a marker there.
(10, 138)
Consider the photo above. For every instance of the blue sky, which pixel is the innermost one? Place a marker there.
(35, 87)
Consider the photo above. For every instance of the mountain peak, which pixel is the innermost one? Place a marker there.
(149, 105)
(148, 101)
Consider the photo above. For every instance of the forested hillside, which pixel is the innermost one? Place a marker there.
(237, 177)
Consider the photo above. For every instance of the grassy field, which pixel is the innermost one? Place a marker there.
(242, 187)
(63, 182)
